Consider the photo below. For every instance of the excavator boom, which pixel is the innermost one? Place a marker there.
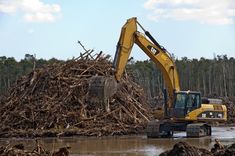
(129, 35)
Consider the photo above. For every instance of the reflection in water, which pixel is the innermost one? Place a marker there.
(126, 145)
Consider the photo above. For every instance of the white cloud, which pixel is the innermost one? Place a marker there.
(204, 11)
(31, 31)
(33, 10)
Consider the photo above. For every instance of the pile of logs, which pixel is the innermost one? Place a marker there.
(52, 101)
(38, 150)
(230, 101)
(183, 149)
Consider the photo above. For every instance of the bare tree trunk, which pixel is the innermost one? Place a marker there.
(198, 82)
(224, 80)
(220, 87)
(204, 84)
(210, 72)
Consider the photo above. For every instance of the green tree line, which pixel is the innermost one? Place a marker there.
(212, 77)
(11, 69)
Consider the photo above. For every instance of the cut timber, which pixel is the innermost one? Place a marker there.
(52, 101)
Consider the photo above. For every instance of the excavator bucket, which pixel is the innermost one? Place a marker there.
(101, 88)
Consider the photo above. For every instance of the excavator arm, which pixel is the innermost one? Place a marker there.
(129, 36)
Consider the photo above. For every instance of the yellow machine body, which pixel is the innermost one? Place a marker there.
(177, 110)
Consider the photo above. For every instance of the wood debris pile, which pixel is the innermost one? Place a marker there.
(53, 101)
(230, 102)
(183, 149)
(39, 150)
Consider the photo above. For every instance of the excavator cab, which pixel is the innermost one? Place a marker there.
(185, 102)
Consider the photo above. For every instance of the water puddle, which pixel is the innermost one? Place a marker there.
(125, 145)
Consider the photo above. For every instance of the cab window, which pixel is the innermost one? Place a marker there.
(180, 100)
(193, 101)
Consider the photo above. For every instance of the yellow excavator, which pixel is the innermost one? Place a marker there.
(183, 110)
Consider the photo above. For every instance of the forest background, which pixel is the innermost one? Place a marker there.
(212, 77)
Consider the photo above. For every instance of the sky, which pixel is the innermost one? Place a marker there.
(51, 28)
